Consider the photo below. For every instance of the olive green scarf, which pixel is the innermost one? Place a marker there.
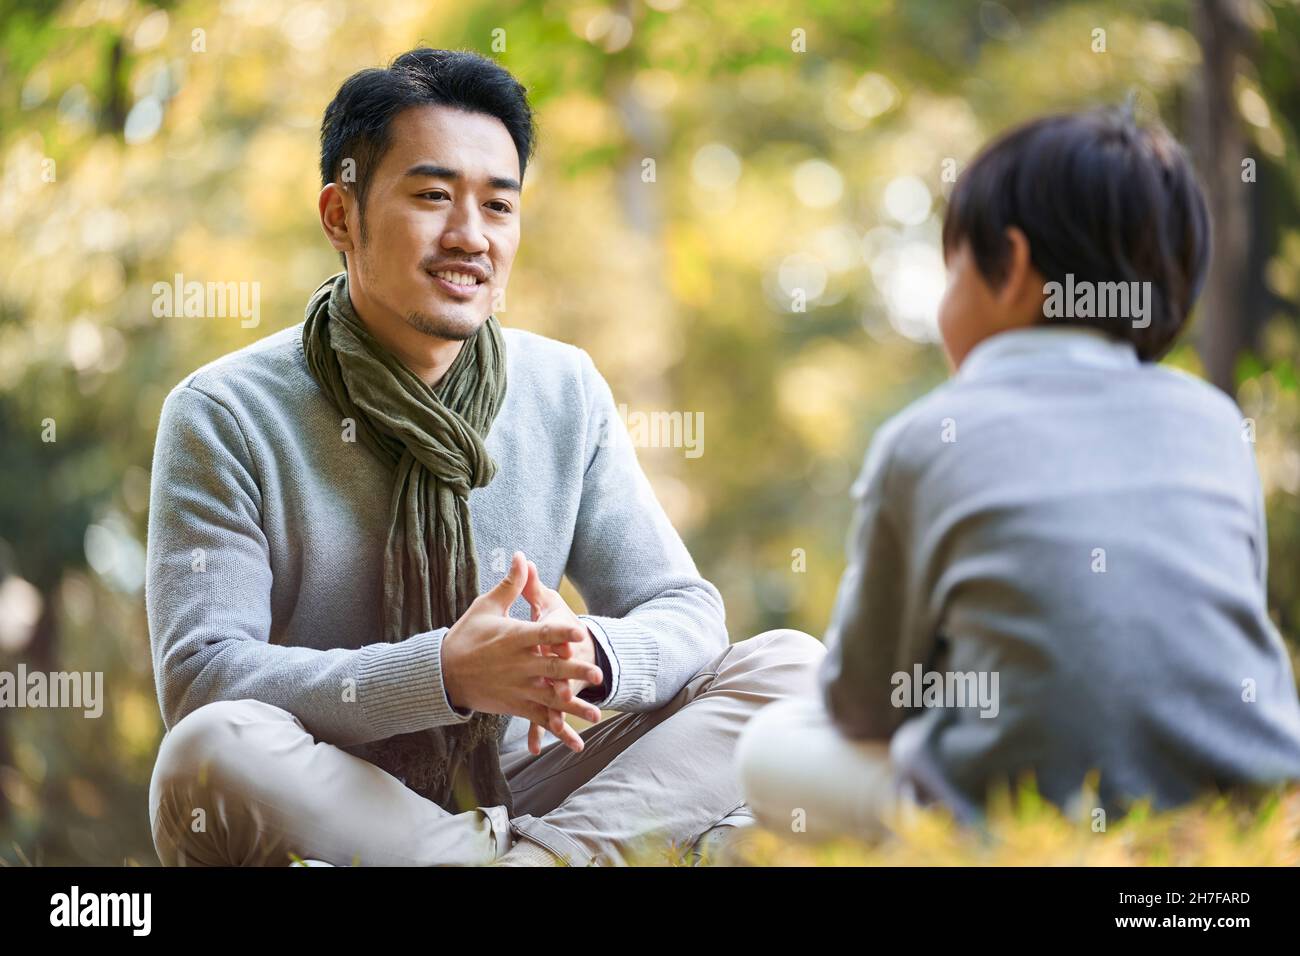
(432, 438)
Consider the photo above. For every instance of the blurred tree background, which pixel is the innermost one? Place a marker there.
(735, 209)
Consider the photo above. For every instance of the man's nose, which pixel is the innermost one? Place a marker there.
(464, 231)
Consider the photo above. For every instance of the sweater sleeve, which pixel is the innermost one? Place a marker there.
(208, 599)
(868, 629)
(599, 695)
(658, 621)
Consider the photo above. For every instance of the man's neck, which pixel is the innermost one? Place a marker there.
(427, 356)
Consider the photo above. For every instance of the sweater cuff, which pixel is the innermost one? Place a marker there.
(400, 686)
(633, 659)
(607, 663)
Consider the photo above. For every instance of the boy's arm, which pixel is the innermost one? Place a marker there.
(1261, 523)
(208, 597)
(868, 625)
(657, 621)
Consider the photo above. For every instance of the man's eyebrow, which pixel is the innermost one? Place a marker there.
(433, 171)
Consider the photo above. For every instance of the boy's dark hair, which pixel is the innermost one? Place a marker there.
(357, 120)
(1098, 196)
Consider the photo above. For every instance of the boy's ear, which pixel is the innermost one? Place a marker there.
(1021, 292)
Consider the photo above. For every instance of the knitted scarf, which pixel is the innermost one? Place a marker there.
(432, 439)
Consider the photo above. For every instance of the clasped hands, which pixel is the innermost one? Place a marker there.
(535, 669)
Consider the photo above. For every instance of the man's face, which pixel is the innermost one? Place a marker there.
(441, 222)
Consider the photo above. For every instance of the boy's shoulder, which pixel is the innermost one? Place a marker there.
(930, 424)
(907, 435)
(1200, 395)
(924, 419)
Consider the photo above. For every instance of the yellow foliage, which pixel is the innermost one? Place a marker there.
(1029, 831)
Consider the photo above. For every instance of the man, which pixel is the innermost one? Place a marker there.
(344, 672)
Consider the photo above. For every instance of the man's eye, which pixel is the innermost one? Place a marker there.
(433, 194)
(500, 206)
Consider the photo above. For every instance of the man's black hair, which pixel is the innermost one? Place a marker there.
(1097, 196)
(356, 122)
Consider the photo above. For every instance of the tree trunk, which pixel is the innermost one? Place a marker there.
(1219, 146)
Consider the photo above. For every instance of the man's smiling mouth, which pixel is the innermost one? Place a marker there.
(458, 278)
(460, 284)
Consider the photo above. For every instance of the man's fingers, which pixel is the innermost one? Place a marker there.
(536, 735)
(559, 697)
(560, 650)
(511, 586)
(542, 717)
(552, 720)
(542, 599)
(534, 591)
(555, 722)
(554, 667)
(546, 632)
(572, 739)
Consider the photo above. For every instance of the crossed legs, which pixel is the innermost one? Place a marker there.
(244, 783)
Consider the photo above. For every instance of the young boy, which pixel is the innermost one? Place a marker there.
(1058, 559)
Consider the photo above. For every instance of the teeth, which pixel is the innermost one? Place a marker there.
(457, 278)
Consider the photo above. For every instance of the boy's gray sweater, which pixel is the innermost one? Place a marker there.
(1089, 530)
(267, 529)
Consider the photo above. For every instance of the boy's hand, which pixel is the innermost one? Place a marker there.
(550, 607)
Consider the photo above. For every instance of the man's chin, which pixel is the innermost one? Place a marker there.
(455, 328)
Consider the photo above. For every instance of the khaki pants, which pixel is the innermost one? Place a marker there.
(244, 783)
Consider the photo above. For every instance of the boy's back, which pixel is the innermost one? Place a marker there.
(1058, 559)
(1089, 529)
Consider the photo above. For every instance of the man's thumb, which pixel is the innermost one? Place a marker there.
(510, 587)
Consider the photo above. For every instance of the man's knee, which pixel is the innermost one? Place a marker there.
(784, 659)
(206, 752)
(208, 736)
(790, 642)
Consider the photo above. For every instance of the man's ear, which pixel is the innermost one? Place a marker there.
(1022, 286)
(334, 203)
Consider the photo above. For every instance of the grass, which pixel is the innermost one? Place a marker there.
(1021, 830)
(1026, 830)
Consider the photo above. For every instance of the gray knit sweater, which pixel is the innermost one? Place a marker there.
(267, 528)
(1089, 529)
